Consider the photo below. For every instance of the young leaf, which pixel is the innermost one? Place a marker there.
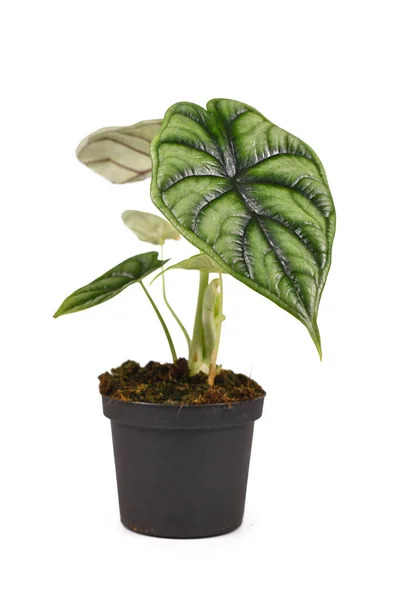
(211, 319)
(111, 283)
(120, 154)
(149, 228)
(250, 195)
(198, 262)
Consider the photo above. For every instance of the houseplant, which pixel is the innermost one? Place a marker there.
(255, 201)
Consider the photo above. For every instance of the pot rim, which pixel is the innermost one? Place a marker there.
(186, 416)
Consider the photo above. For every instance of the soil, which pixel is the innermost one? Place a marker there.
(168, 383)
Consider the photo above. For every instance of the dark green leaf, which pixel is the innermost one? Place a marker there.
(111, 283)
(250, 195)
(120, 154)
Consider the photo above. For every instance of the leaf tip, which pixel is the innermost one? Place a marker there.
(62, 310)
(316, 337)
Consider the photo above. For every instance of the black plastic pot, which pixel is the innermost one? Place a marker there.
(182, 470)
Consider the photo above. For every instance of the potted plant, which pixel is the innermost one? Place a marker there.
(254, 200)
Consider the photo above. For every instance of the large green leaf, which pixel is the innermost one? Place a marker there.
(149, 228)
(120, 154)
(250, 195)
(111, 283)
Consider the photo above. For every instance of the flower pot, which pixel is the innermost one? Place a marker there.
(182, 470)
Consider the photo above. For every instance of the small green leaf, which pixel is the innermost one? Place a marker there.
(120, 154)
(198, 262)
(250, 195)
(149, 228)
(111, 283)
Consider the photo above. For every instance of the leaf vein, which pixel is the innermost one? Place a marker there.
(283, 263)
(203, 205)
(117, 164)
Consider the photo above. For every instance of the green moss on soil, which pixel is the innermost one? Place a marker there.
(168, 383)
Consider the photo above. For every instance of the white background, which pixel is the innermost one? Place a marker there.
(322, 519)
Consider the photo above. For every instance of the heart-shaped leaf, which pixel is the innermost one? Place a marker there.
(111, 283)
(149, 228)
(120, 154)
(250, 195)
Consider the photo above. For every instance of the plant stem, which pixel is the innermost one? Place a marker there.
(167, 333)
(173, 313)
(197, 344)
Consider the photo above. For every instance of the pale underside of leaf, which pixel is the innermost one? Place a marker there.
(250, 195)
(110, 284)
(198, 262)
(120, 154)
(149, 228)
